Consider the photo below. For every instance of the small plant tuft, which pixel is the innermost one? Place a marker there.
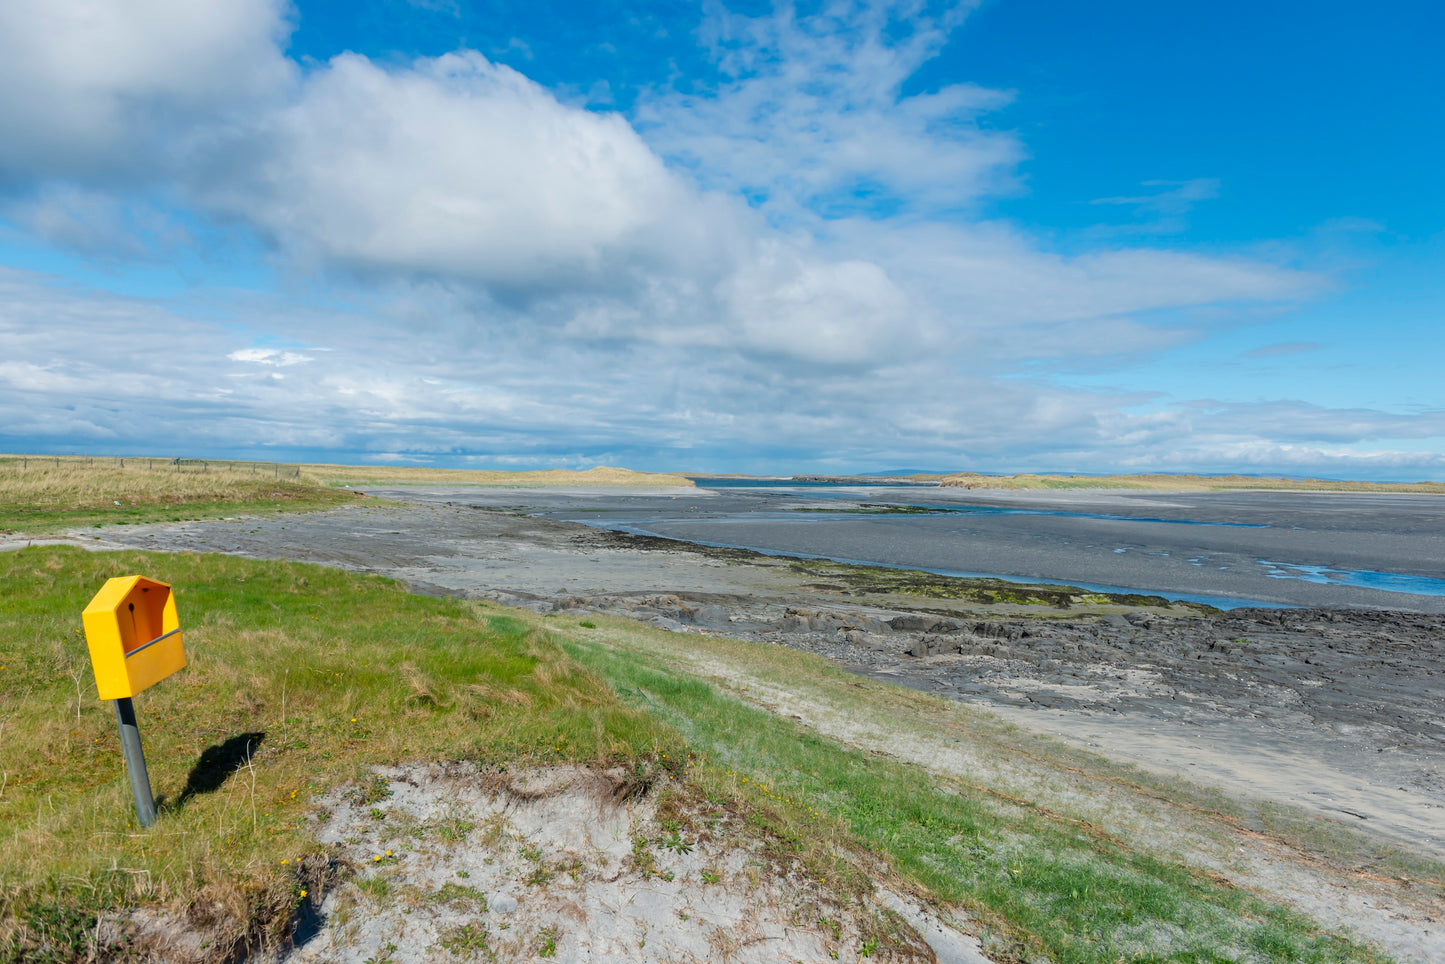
(547, 942)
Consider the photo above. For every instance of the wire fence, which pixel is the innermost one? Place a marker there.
(277, 470)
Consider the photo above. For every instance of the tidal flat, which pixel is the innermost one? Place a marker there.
(1337, 709)
(1296, 707)
(1323, 549)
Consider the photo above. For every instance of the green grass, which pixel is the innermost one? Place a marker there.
(336, 673)
(326, 674)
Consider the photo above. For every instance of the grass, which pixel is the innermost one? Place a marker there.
(337, 475)
(1006, 759)
(886, 580)
(40, 495)
(301, 679)
(1180, 483)
(1074, 897)
(47, 495)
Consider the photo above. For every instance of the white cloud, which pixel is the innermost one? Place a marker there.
(453, 167)
(810, 113)
(268, 356)
(830, 313)
(1162, 211)
(538, 400)
(97, 90)
(1173, 197)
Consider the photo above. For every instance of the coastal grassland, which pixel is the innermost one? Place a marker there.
(39, 495)
(1178, 483)
(337, 475)
(301, 679)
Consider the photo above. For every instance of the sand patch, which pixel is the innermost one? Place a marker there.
(454, 863)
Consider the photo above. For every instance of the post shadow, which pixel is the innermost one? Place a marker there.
(216, 764)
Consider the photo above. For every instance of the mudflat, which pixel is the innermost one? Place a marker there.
(1337, 550)
(1340, 712)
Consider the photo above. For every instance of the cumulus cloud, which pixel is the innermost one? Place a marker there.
(464, 171)
(98, 90)
(453, 167)
(833, 313)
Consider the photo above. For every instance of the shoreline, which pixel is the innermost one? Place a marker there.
(1335, 712)
(1222, 603)
(1320, 550)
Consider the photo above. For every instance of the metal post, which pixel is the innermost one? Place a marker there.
(135, 762)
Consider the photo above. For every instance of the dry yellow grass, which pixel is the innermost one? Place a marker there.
(48, 493)
(1179, 483)
(402, 474)
(76, 483)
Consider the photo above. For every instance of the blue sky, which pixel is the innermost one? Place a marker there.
(1021, 235)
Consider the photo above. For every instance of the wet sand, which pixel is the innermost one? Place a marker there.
(1341, 713)
(1282, 548)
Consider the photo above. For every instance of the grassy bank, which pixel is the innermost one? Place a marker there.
(1046, 887)
(1179, 483)
(302, 678)
(47, 495)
